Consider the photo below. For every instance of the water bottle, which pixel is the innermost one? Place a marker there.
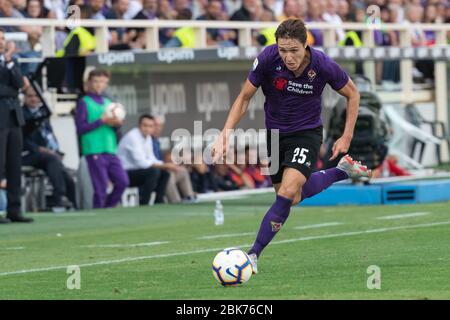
(218, 213)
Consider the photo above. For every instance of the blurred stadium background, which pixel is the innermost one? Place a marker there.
(185, 61)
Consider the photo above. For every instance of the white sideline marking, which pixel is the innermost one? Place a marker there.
(227, 235)
(174, 254)
(13, 248)
(132, 245)
(320, 225)
(404, 215)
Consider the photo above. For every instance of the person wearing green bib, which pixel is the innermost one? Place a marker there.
(98, 139)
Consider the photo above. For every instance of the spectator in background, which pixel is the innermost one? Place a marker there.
(315, 15)
(390, 68)
(180, 5)
(291, 10)
(276, 6)
(344, 10)
(222, 178)
(58, 7)
(253, 167)
(149, 10)
(430, 16)
(165, 10)
(266, 36)
(414, 15)
(183, 37)
(249, 11)
(240, 177)
(202, 177)
(98, 136)
(96, 9)
(221, 37)
(331, 16)
(36, 9)
(159, 126)
(19, 5)
(179, 187)
(133, 8)
(144, 170)
(120, 37)
(8, 11)
(397, 7)
(81, 40)
(41, 150)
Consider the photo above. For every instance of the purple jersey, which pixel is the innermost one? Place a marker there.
(294, 103)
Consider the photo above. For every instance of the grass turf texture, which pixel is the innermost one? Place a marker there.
(414, 261)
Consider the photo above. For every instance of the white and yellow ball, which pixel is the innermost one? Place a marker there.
(115, 109)
(232, 267)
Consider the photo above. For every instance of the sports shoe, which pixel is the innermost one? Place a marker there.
(354, 169)
(254, 261)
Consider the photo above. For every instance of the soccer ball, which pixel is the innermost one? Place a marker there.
(232, 267)
(115, 109)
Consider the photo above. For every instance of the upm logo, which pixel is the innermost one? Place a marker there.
(111, 58)
(169, 55)
(228, 52)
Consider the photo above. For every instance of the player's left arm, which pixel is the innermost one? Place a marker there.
(350, 92)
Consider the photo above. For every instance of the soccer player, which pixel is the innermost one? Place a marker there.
(292, 76)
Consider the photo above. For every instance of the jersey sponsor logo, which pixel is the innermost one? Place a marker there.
(276, 226)
(280, 83)
(255, 64)
(311, 75)
(300, 88)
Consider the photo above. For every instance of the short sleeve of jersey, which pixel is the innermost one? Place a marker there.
(256, 74)
(337, 77)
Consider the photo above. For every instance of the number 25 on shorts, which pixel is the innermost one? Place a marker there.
(301, 154)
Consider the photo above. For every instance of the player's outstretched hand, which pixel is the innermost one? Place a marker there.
(219, 149)
(340, 146)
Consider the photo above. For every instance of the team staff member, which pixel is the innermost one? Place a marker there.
(11, 120)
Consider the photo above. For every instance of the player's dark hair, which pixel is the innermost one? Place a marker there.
(292, 29)
(2, 30)
(99, 73)
(146, 116)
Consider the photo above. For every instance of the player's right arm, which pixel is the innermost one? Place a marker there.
(238, 110)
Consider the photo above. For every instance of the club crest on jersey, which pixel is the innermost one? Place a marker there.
(276, 226)
(255, 64)
(280, 83)
(311, 75)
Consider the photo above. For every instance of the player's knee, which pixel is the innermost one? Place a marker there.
(297, 199)
(287, 192)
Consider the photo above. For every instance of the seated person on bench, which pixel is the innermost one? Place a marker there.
(41, 150)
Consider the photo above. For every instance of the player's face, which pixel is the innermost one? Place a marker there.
(2, 42)
(147, 127)
(292, 52)
(98, 85)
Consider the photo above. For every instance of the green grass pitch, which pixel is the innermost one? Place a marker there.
(165, 252)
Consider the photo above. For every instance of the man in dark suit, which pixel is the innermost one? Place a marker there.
(11, 120)
(41, 150)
